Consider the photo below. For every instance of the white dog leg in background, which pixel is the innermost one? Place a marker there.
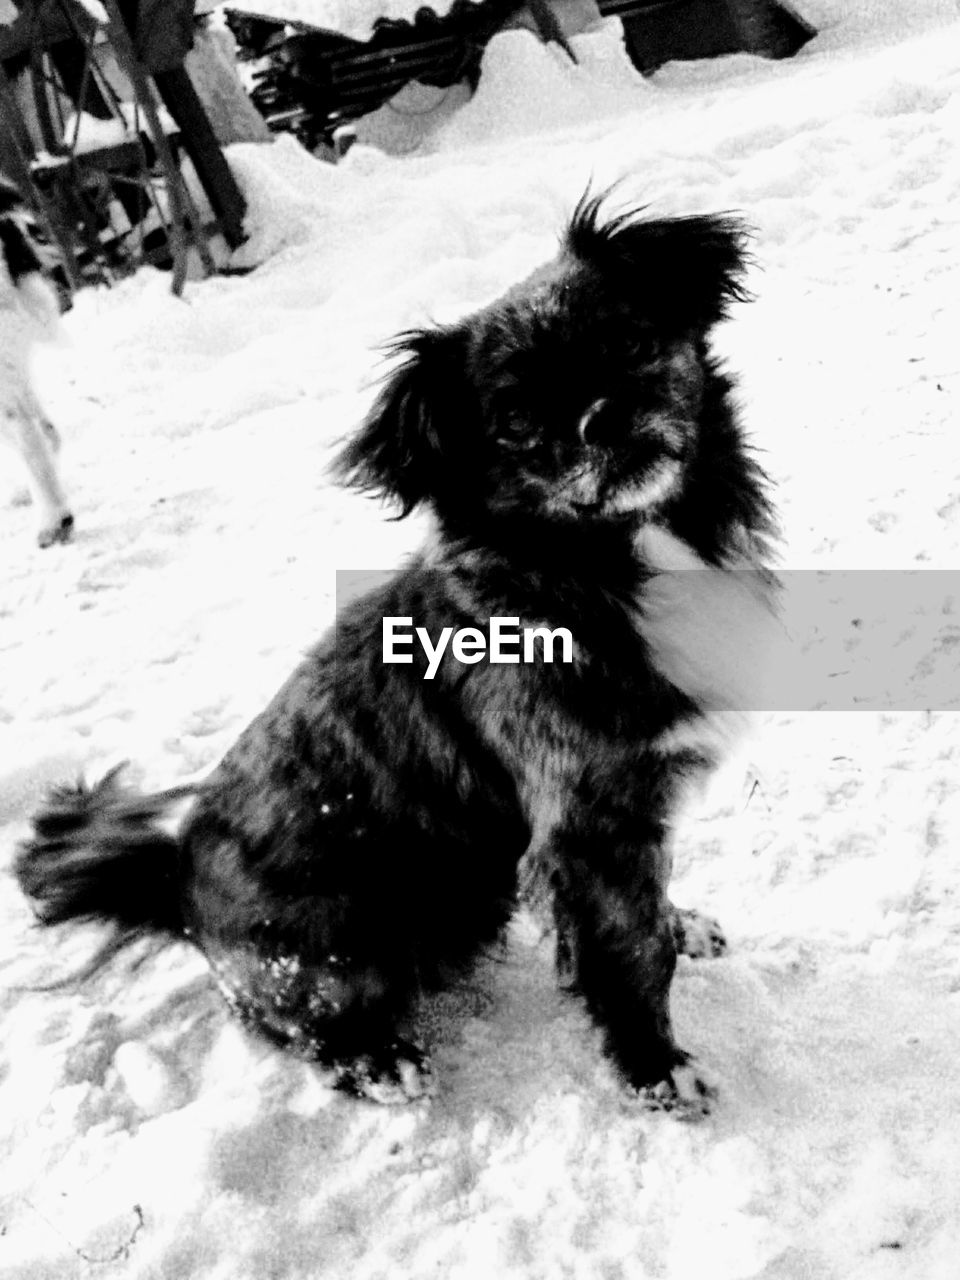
(38, 442)
(29, 316)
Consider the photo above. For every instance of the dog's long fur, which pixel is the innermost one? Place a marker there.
(364, 838)
(28, 314)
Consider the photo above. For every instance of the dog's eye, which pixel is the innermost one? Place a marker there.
(517, 435)
(645, 351)
(512, 428)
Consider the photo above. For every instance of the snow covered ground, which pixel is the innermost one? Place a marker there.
(142, 1133)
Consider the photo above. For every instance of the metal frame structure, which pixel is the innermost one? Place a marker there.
(85, 137)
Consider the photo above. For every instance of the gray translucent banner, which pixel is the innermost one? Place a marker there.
(833, 640)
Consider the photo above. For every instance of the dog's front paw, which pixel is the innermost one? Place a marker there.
(696, 935)
(62, 531)
(396, 1074)
(687, 1092)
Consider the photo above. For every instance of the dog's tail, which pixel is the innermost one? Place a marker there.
(100, 853)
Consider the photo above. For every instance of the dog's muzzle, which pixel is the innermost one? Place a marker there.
(604, 424)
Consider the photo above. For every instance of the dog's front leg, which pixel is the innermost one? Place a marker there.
(38, 442)
(616, 946)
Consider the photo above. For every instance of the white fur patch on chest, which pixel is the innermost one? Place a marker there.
(713, 633)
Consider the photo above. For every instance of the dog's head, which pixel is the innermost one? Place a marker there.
(575, 396)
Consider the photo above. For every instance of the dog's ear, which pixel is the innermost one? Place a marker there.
(402, 449)
(19, 251)
(685, 270)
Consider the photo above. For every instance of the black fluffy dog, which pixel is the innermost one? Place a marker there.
(365, 837)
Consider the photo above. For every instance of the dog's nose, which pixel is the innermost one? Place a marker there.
(589, 428)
